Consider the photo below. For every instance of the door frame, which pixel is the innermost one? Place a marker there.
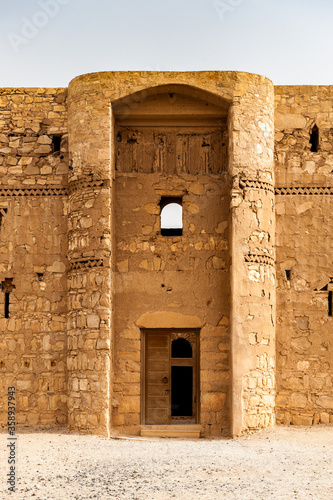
(183, 333)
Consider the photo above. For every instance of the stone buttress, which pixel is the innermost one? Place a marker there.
(92, 267)
(252, 256)
(89, 248)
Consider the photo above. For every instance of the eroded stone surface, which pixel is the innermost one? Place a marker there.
(87, 269)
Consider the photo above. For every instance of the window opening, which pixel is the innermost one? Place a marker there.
(171, 217)
(288, 273)
(7, 287)
(314, 139)
(56, 143)
(6, 304)
(330, 305)
(181, 348)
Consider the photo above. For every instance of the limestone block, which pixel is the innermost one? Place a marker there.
(289, 121)
(44, 139)
(57, 267)
(23, 385)
(93, 321)
(213, 401)
(302, 420)
(325, 402)
(92, 420)
(152, 208)
(118, 419)
(300, 344)
(33, 418)
(252, 421)
(298, 400)
(43, 149)
(103, 344)
(324, 418)
(129, 405)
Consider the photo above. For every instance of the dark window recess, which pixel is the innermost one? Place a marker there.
(330, 308)
(56, 143)
(314, 139)
(288, 274)
(171, 216)
(7, 286)
(6, 304)
(181, 348)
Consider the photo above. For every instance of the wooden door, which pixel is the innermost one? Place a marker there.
(157, 379)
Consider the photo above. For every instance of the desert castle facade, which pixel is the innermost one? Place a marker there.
(166, 253)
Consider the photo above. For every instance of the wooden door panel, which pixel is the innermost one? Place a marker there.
(155, 390)
(157, 365)
(158, 408)
(158, 401)
(158, 417)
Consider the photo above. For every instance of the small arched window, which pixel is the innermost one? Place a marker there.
(181, 348)
(314, 139)
(171, 217)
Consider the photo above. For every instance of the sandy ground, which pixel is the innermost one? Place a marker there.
(283, 463)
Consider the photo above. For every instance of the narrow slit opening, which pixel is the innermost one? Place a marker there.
(330, 308)
(56, 143)
(314, 139)
(6, 304)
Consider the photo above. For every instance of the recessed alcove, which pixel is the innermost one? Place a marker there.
(171, 129)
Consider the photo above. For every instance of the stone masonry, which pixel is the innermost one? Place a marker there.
(94, 295)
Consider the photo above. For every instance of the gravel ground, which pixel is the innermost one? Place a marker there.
(283, 463)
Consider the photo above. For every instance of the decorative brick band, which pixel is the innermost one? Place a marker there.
(85, 264)
(257, 258)
(304, 190)
(3, 212)
(255, 184)
(86, 183)
(50, 191)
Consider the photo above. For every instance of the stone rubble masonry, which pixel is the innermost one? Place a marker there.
(304, 248)
(33, 254)
(82, 173)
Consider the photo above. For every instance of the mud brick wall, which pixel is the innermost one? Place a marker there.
(304, 254)
(33, 235)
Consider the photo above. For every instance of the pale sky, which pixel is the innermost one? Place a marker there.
(46, 43)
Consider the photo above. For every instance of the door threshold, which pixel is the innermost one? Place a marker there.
(172, 430)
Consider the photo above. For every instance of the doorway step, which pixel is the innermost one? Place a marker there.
(181, 431)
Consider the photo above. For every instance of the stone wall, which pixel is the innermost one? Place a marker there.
(185, 274)
(304, 255)
(33, 239)
(84, 262)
